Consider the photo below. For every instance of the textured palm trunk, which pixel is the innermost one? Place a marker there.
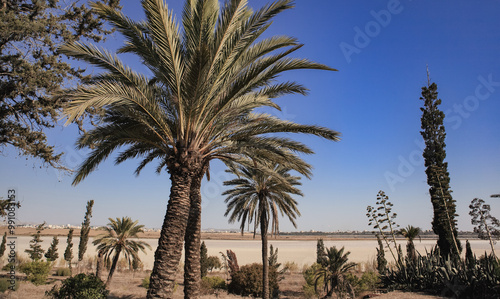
(168, 253)
(192, 241)
(265, 259)
(98, 267)
(113, 265)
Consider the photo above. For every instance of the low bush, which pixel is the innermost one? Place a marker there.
(81, 286)
(36, 271)
(248, 281)
(5, 283)
(213, 282)
(309, 275)
(145, 282)
(63, 272)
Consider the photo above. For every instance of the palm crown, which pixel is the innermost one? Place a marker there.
(197, 105)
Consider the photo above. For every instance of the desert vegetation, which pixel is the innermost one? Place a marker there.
(209, 79)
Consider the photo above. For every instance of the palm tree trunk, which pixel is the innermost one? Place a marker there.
(265, 259)
(113, 265)
(192, 241)
(98, 267)
(168, 253)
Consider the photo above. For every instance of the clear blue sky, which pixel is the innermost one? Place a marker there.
(381, 49)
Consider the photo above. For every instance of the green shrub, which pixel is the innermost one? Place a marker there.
(309, 276)
(248, 281)
(63, 272)
(36, 271)
(81, 286)
(145, 282)
(213, 282)
(5, 283)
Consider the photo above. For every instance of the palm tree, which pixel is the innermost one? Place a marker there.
(410, 233)
(260, 193)
(197, 105)
(117, 240)
(332, 273)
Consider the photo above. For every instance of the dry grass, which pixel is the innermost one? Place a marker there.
(127, 285)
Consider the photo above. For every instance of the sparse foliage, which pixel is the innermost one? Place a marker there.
(485, 225)
(382, 218)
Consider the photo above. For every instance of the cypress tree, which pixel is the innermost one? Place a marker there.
(320, 252)
(3, 246)
(84, 233)
(36, 252)
(433, 132)
(203, 259)
(68, 253)
(51, 254)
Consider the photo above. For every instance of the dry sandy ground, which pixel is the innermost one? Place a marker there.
(128, 286)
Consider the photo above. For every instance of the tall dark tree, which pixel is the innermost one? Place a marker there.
(36, 252)
(203, 259)
(84, 232)
(31, 68)
(320, 252)
(51, 254)
(68, 253)
(3, 246)
(444, 223)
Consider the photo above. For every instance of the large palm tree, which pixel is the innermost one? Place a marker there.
(117, 240)
(260, 194)
(410, 233)
(332, 272)
(196, 106)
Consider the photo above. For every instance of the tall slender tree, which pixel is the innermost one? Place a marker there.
(259, 195)
(444, 223)
(3, 246)
(68, 253)
(117, 240)
(197, 105)
(84, 232)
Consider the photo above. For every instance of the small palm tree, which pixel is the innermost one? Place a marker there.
(117, 240)
(333, 272)
(410, 233)
(260, 193)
